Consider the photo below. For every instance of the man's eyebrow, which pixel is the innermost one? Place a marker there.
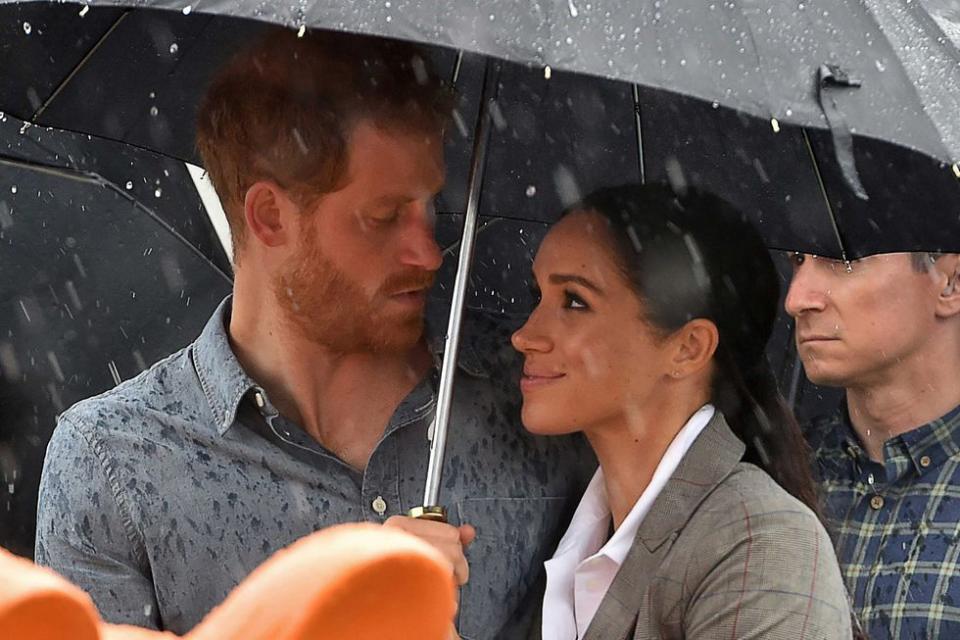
(564, 278)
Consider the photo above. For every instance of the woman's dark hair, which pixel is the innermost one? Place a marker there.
(693, 255)
(696, 256)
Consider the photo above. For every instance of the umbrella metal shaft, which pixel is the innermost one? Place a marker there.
(441, 421)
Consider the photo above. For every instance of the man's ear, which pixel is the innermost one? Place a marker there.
(948, 273)
(695, 343)
(269, 213)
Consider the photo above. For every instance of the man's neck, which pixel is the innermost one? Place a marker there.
(343, 401)
(916, 391)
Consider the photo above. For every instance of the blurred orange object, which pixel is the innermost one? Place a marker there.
(353, 581)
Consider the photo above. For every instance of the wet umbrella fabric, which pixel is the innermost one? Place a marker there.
(136, 76)
(764, 59)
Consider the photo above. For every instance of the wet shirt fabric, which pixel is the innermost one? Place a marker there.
(161, 495)
(896, 525)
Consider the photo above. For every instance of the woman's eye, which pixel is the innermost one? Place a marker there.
(573, 301)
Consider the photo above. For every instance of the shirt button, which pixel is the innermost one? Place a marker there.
(379, 505)
(925, 461)
(876, 502)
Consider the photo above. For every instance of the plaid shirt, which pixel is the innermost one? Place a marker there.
(896, 524)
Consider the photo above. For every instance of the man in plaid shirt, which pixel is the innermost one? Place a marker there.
(887, 329)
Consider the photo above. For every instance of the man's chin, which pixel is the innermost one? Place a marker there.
(825, 376)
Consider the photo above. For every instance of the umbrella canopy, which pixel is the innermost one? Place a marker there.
(820, 139)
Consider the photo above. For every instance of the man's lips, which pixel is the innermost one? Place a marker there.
(814, 337)
(410, 297)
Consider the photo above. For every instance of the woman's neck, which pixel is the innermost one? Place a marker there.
(630, 447)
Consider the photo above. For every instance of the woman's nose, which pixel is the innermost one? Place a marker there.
(530, 337)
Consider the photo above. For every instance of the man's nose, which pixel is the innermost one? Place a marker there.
(420, 248)
(806, 292)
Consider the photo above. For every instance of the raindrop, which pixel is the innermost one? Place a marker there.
(129, 185)
(154, 111)
(174, 48)
(387, 4)
(303, 30)
(683, 62)
(420, 70)
(531, 191)
(153, 95)
(574, 12)
(547, 72)
(27, 28)
(775, 124)
(84, 11)
(569, 40)
(880, 66)
(956, 169)
(13, 189)
(715, 104)
(187, 9)
(789, 112)
(157, 192)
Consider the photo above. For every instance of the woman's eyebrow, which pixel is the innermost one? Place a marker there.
(564, 278)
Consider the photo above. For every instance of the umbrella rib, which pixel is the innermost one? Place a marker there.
(639, 123)
(95, 179)
(76, 69)
(826, 198)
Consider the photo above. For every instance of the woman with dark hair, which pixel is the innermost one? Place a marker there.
(649, 337)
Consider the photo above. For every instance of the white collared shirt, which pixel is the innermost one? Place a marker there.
(585, 563)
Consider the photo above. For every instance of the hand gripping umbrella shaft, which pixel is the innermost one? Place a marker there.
(431, 509)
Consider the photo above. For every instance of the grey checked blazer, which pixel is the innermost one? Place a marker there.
(725, 553)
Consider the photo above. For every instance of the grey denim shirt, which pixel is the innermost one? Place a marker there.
(161, 495)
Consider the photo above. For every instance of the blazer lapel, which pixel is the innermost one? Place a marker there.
(712, 457)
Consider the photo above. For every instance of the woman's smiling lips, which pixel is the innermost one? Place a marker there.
(532, 379)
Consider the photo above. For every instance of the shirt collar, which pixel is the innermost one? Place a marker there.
(920, 450)
(591, 520)
(225, 383)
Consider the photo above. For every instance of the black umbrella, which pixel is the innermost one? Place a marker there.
(826, 123)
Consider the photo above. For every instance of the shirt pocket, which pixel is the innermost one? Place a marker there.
(514, 538)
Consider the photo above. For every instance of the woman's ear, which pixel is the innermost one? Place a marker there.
(269, 213)
(694, 346)
(948, 272)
